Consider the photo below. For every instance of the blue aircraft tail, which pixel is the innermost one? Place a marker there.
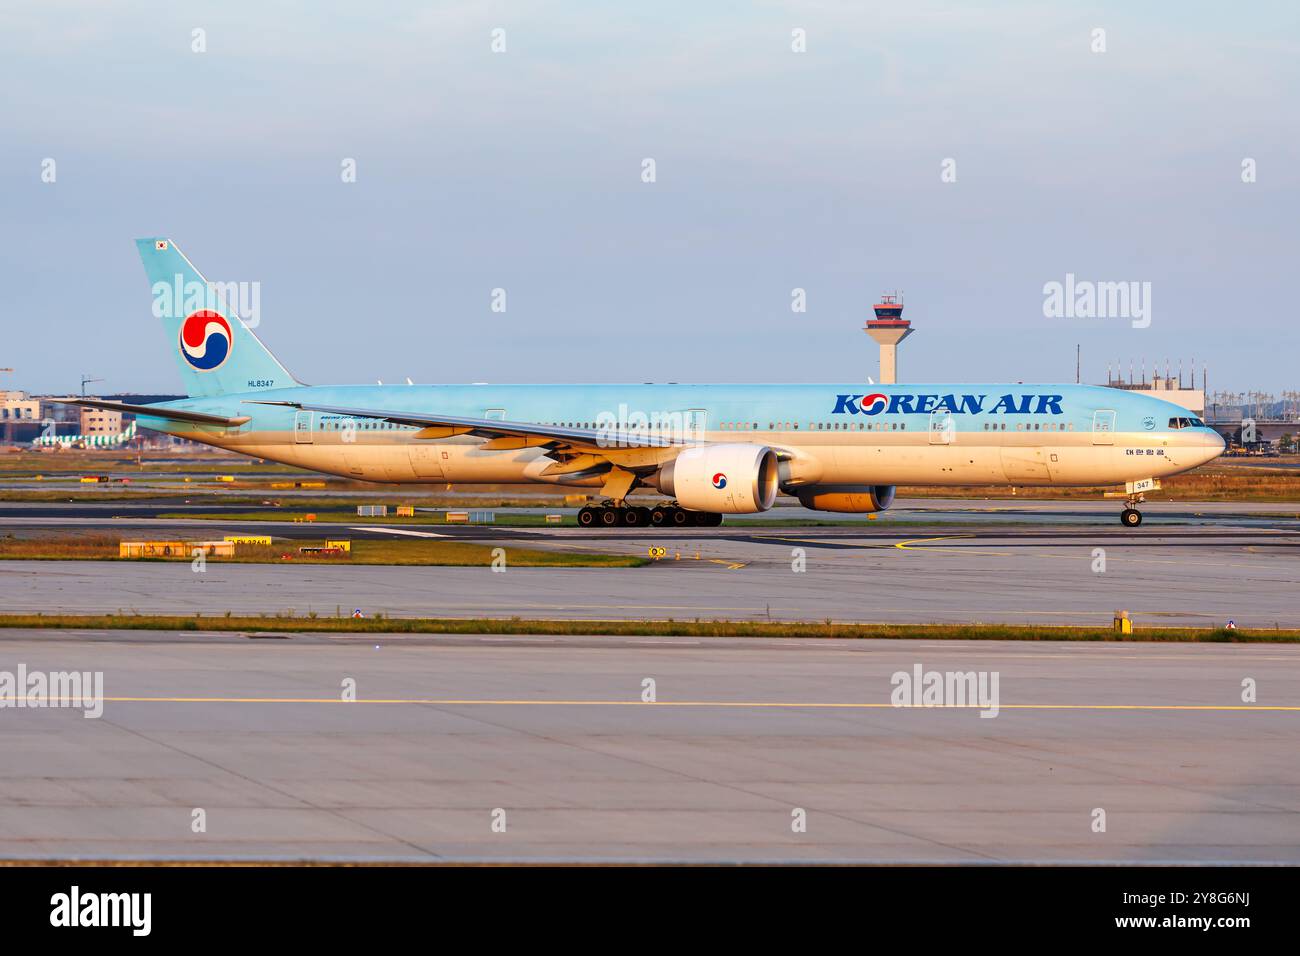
(216, 351)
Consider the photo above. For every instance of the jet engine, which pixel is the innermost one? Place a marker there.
(725, 478)
(855, 499)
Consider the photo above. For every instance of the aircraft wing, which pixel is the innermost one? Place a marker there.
(502, 434)
(156, 411)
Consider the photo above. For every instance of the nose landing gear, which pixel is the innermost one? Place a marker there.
(1130, 517)
(1133, 495)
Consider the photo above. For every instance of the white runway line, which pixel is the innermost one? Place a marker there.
(406, 531)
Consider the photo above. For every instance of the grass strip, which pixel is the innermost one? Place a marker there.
(398, 551)
(380, 624)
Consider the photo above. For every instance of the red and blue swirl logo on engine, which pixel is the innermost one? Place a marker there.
(719, 481)
(873, 404)
(205, 340)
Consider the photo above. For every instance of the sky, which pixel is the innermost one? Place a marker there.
(968, 154)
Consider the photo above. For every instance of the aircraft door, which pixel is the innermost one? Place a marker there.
(302, 430)
(942, 427)
(1103, 427)
(697, 423)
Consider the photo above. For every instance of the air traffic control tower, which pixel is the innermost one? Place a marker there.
(889, 328)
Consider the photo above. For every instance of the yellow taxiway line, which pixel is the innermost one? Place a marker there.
(789, 705)
(912, 545)
(924, 544)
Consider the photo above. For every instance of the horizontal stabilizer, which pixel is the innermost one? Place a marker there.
(158, 411)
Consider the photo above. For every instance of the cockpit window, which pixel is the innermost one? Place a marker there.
(1186, 423)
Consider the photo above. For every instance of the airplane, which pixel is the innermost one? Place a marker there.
(52, 439)
(711, 449)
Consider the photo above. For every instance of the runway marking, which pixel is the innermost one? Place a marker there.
(406, 531)
(784, 705)
(885, 546)
(731, 565)
(906, 546)
(836, 539)
(946, 537)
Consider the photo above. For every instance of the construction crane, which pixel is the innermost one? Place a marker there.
(86, 380)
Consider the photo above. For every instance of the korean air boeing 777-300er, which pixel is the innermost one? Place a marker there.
(711, 449)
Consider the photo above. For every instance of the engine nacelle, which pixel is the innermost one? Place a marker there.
(725, 479)
(854, 499)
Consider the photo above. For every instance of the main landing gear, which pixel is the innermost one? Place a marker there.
(662, 516)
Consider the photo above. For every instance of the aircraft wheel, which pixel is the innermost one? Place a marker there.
(659, 517)
(586, 517)
(610, 517)
(634, 517)
(680, 517)
(1130, 517)
(703, 519)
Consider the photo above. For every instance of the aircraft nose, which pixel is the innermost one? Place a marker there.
(1193, 448)
(1213, 446)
